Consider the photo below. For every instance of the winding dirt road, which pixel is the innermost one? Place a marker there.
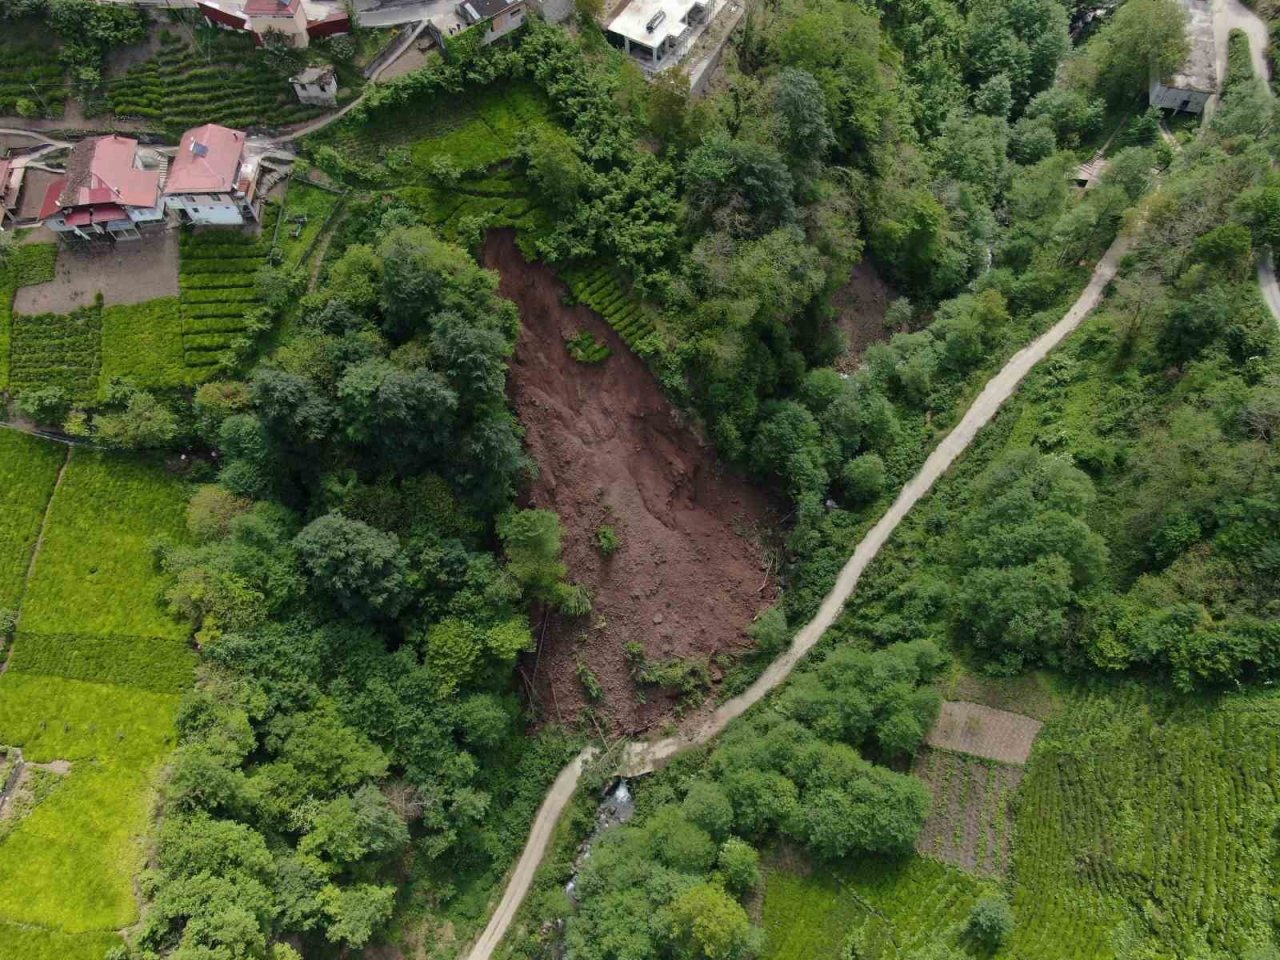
(643, 757)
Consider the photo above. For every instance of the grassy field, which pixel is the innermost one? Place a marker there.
(297, 240)
(473, 132)
(27, 265)
(94, 681)
(28, 469)
(814, 915)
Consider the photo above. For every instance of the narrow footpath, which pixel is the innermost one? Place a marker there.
(644, 756)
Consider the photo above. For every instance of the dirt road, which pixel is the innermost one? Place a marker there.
(642, 757)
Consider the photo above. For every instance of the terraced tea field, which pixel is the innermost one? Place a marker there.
(216, 280)
(223, 80)
(89, 697)
(600, 290)
(27, 265)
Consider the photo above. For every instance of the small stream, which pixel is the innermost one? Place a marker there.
(617, 807)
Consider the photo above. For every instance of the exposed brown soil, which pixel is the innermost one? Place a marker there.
(860, 307)
(128, 272)
(970, 823)
(690, 574)
(984, 732)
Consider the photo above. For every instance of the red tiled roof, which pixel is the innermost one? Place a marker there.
(50, 206)
(100, 171)
(103, 214)
(267, 8)
(208, 161)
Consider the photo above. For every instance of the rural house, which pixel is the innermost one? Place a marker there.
(657, 32)
(288, 18)
(317, 86)
(211, 182)
(1196, 80)
(104, 194)
(496, 17)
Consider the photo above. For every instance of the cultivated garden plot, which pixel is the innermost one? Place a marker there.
(982, 731)
(27, 265)
(91, 689)
(970, 823)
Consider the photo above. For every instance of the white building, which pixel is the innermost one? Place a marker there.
(317, 86)
(496, 18)
(1190, 88)
(211, 182)
(658, 32)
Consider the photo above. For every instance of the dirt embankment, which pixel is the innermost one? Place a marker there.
(690, 573)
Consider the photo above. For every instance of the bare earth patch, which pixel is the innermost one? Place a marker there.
(130, 272)
(860, 307)
(970, 823)
(689, 575)
(984, 732)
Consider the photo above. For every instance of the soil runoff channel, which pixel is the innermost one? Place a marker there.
(639, 757)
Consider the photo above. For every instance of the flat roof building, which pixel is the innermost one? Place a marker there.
(1191, 86)
(655, 31)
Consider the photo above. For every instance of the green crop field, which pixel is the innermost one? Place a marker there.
(61, 350)
(95, 572)
(27, 265)
(143, 343)
(1137, 824)
(92, 688)
(1137, 819)
(28, 470)
(223, 79)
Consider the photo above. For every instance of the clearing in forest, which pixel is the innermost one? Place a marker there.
(90, 693)
(688, 574)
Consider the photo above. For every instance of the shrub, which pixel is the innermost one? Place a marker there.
(990, 923)
(607, 540)
(862, 478)
(770, 631)
(590, 683)
(44, 405)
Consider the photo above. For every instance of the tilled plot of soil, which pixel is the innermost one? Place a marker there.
(690, 574)
(970, 824)
(984, 732)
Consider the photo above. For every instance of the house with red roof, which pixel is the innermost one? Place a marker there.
(104, 194)
(286, 18)
(212, 182)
